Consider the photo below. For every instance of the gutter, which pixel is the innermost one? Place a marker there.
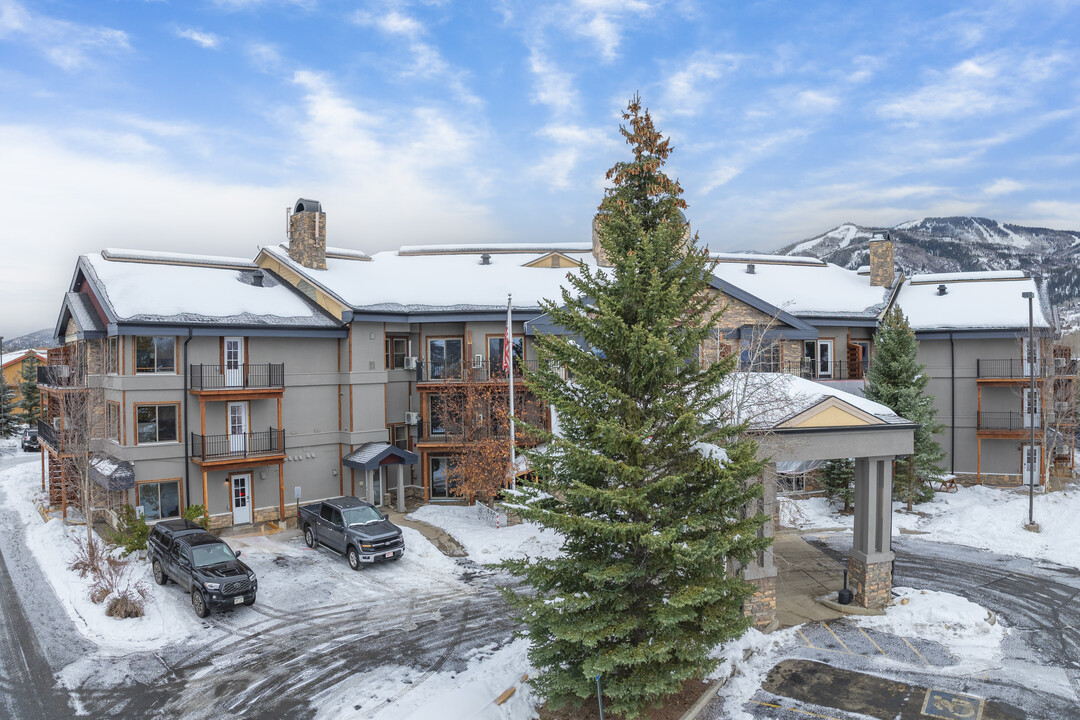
(187, 445)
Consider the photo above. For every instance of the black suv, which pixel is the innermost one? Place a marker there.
(202, 564)
(30, 442)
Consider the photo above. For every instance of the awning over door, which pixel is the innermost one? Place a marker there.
(112, 474)
(370, 456)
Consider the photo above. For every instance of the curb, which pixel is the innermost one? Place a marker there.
(846, 609)
(705, 699)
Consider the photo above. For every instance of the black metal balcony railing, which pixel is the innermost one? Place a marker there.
(1007, 369)
(994, 420)
(476, 370)
(223, 447)
(48, 434)
(60, 376)
(809, 369)
(265, 376)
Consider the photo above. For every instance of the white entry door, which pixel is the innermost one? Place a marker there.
(1030, 461)
(241, 499)
(1031, 408)
(825, 358)
(238, 427)
(234, 362)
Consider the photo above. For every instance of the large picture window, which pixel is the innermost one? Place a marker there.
(160, 500)
(155, 354)
(112, 420)
(156, 423)
(495, 353)
(444, 358)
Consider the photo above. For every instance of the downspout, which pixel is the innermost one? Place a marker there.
(187, 445)
(952, 405)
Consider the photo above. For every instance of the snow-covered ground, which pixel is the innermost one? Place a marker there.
(485, 543)
(982, 517)
(53, 546)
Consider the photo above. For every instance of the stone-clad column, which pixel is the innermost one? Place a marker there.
(761, 572)
(871, 553)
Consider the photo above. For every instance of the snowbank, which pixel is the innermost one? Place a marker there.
(970, 632)
(485, 543)
(408, 693)
(167, 619)
(982, 517)
(746, 662)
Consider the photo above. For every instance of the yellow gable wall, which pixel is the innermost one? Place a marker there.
(13, 376)
(832, 417)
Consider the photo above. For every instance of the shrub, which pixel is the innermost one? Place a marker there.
(197, 514)
(126, 604)
(133, 531)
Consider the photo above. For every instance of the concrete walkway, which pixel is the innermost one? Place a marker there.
(441, 539)
(805, 573)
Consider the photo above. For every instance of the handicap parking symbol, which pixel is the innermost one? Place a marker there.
(951, 706)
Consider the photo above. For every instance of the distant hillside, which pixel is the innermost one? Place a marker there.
(38, 339)
(960, 244)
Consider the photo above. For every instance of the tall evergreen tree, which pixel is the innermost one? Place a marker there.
(838, 477)
(29, 395)
(897, 380)
(9, 422)
(642, 591)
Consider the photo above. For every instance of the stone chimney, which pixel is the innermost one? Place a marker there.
(882, 266)
(597, 251)
(307, 234)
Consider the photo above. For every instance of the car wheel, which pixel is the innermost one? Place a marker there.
(354, 558)
(309, 537)
(159, 575)
(199, 603)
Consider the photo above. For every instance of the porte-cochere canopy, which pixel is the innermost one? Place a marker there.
(372, 455)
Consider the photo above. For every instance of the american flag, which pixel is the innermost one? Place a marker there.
(508, 362)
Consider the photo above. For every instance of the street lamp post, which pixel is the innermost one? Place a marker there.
(1031, 407)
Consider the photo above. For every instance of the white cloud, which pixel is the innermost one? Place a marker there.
(553, 87)
(814, 101)
(264, 56)
(68, 45)
(601, 21)
(1003, 186)
(208, 41)
(683, 91)
(571, 144)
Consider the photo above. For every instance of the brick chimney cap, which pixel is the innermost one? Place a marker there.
(305, 205)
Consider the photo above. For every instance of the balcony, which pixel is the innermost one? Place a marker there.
(60, 376)
(214, 378)
(250, 446)
(48, 434)
(809, 369)
(1006, 421)
(477, 370)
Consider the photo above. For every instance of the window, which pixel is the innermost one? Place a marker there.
(444, 415)
(160, 500)
(112, 355)
(156, 423)
(495, 353)
(112, 420)
(399, 436)
(444, 357)
(155, 354)
(439, 487)
(397, 348)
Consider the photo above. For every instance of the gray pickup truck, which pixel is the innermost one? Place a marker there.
(353, 528)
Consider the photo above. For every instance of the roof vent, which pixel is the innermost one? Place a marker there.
(750, 268)
(257, 278)
(485, 259)
(941, 289)
(305, 205)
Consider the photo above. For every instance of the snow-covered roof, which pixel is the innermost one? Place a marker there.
(815, 289)
(396, 282)
(155, 256)
(760, 258)
(202, 293)
(972, 301)
(764, 400)
(477, 248)
(10, 357)
(372, 454)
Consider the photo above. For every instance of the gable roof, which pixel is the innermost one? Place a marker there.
(79, 308)
(371, 455)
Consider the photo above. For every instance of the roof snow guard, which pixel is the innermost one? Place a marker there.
(370, 456)
(112, 474)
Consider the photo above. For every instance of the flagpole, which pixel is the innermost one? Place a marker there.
(510, 348)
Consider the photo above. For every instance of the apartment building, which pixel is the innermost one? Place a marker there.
(312, 371)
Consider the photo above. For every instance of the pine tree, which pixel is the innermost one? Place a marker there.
(29, 395)
(9, 422)
(897, 380)
(642, 591)
(838, 476)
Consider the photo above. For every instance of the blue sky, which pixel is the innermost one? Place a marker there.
(192, 125)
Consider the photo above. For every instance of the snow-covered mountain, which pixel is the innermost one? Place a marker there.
(960, 244)
(40, 339)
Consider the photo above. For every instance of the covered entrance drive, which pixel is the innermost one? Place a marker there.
(375, 460)
(822, 423)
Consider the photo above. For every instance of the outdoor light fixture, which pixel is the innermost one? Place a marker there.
(1030, 296)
